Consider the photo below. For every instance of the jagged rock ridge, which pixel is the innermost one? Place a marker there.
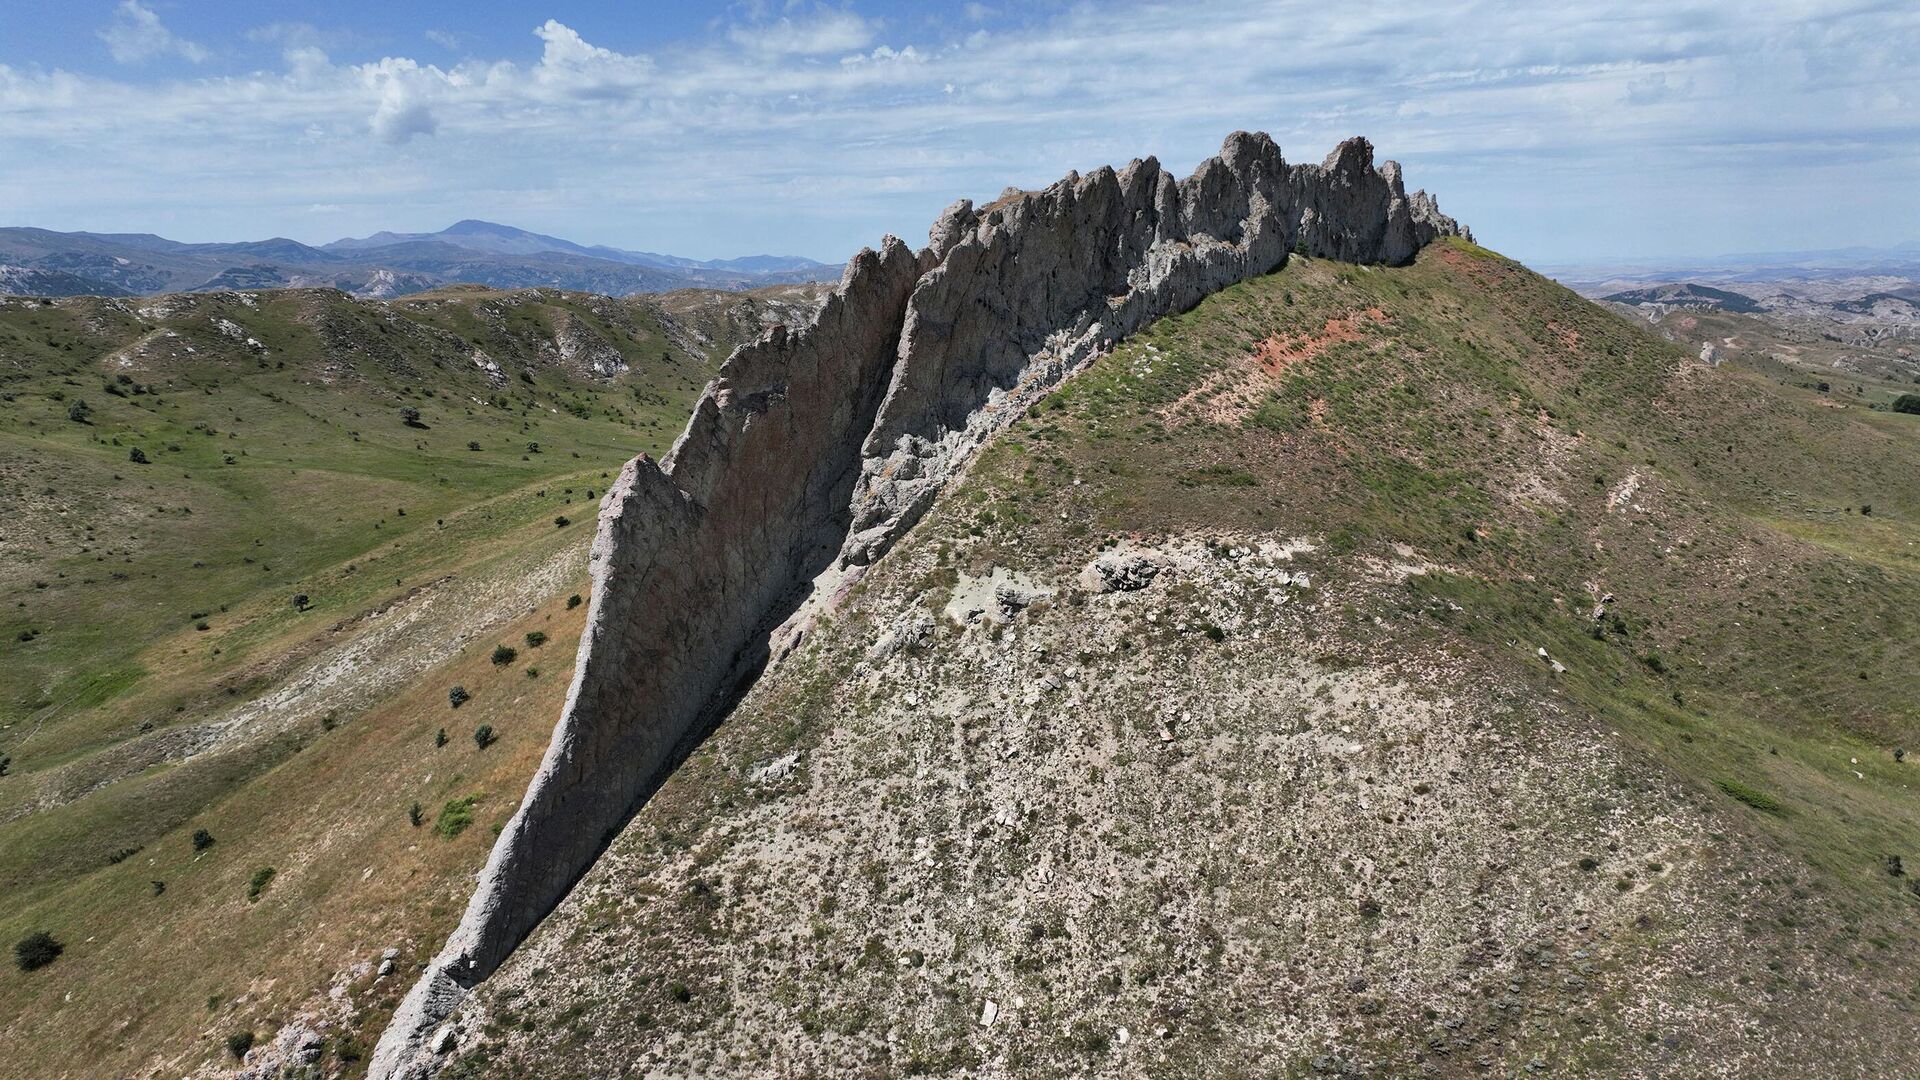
(816, 448)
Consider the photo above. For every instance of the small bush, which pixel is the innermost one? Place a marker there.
(562, 521)
(416, 815)
(458, 696)
(36, 950)
(80, 412)
(239, 1043)
(504, 655)
(202, 839)
(410, 416)
(473, 445)
(1758, 800)
(573, 601)
(440, 738)
(259, 882)
(535, 639)
(137, 456)
(1907, 403)
(455, 816)
(484, 737)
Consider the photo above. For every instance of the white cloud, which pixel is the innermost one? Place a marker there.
(136, 35)
(446, 39)
(403, 111)
(1568, 128)
(821, 33)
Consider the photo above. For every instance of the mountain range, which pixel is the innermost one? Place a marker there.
(41, 262)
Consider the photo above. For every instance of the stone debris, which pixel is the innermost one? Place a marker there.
(776, 770)
(995, 598)
(1121, 569)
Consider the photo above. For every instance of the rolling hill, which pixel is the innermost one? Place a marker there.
(39, 262)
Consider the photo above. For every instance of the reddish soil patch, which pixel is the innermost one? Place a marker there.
(1278, 353)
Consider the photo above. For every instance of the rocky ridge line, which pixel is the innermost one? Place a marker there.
(816, 448)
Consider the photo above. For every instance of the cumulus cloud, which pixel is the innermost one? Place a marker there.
(136, 35)
(403, 111)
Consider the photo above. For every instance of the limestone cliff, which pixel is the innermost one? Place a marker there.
(817, 447)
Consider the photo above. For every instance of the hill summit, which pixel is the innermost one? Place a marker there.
(816, 448)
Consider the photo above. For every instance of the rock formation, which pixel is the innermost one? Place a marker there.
(816, 448)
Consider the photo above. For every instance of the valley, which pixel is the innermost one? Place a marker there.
(342, 509)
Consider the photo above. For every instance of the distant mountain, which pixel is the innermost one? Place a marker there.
(1687, 296)
(1600, 275)
(40, 262)
(497, 239)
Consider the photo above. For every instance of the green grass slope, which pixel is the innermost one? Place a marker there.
(337, 510)
(1515, 692)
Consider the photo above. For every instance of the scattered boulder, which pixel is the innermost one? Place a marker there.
(444, 1040)
(1121, 569)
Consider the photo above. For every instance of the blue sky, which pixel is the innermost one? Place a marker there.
(1604, 130)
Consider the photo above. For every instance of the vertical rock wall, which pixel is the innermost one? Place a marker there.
(816, 448)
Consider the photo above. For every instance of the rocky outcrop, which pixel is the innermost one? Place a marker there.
(816, 448)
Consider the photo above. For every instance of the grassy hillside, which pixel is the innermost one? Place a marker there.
(253, 541)
(1509, 691)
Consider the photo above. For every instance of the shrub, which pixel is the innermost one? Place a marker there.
(484, 737)
(410, 416)
(562, 521)
(440, 738)
(6, 762)
(1758, 800)
(80, 412)
(504, 655)
(455, 816)
(258, 883)
(1907, 403)
(473, 445)
(239, 1043)
(536, 638)
(416, 815)
(458, 696)
(36, 950)
(573, 601)
(137, 456)
(202, 839)
(300, 602)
